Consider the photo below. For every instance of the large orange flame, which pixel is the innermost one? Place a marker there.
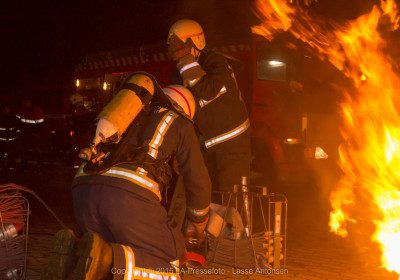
(370, 156)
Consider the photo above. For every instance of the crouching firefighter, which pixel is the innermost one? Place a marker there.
(127, 234)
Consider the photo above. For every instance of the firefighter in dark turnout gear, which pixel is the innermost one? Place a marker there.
(31, 120)
(130, 235)
(221, 118)
(8, 137)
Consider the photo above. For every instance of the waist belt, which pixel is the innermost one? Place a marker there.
(137, 177)
(228, 135)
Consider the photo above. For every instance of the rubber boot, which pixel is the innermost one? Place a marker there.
(94, 258)
(62, 256)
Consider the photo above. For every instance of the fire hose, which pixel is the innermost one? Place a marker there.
(14, 216)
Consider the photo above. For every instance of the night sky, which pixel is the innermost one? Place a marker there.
(42, 41)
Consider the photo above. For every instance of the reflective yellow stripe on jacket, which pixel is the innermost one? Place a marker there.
(7, 139)
(228, 135)
(158, 136)
(132, 176)
(29, 120)
(203, 102)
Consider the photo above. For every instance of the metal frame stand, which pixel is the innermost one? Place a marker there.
(263, 244)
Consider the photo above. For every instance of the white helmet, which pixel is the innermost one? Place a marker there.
(187, 28)
(183, 97)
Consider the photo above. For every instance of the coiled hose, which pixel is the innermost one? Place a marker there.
(14, 216)
(14, 210)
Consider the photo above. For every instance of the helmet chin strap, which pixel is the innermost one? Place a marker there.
(196, 52)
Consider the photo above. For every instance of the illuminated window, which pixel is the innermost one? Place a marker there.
(271, 70)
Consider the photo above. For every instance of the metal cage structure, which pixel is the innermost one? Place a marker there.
(263, 242)
(14, 228)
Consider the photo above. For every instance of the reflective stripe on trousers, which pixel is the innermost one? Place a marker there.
(130, 271)
(198, 212)
(228, 135)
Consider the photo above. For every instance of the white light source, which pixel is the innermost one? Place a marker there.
(77, 82)
(105, 86)
(292, 141)
(275, 63)
(320, 153)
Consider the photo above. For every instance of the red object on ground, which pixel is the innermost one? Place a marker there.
(193, 259)
(18, 226)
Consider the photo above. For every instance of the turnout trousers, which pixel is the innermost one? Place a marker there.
(129, 219)
(227, 162)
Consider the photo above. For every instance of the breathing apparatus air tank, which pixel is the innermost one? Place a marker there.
(134, 95)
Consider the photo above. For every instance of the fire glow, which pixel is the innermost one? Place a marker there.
(370, 154)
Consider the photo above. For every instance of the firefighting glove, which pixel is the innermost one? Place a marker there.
(177, 48)
(190, 70)
(195, 234)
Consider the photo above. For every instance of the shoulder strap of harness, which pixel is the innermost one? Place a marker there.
(143, 94)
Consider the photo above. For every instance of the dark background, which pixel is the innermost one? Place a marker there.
(42, 41)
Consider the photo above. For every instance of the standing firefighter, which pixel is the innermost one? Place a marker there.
(31, 120)
(8, 137)
(128, 234)
(222, 117)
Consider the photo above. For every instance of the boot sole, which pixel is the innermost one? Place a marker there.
(62, 256)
